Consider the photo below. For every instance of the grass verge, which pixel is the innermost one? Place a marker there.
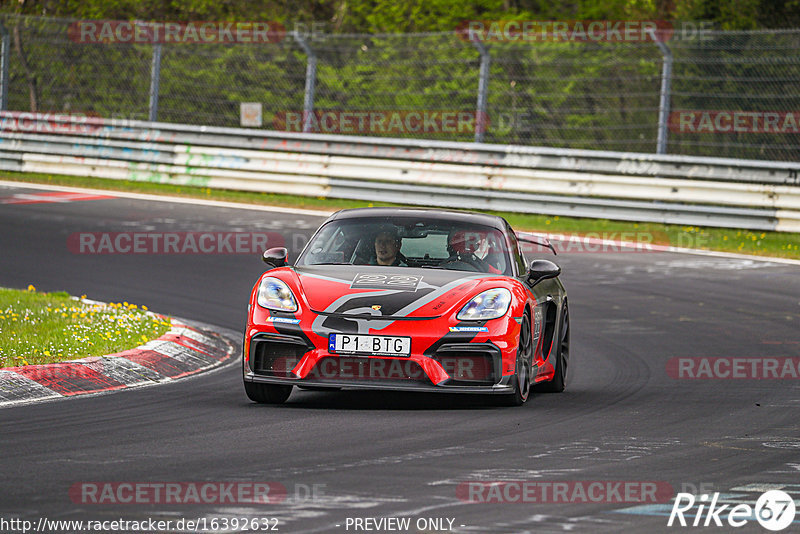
(38, 328)
(778, 244)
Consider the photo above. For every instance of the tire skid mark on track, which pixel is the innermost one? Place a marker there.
(493, 475)
(757, 443)
(384, 460)
(622, 449)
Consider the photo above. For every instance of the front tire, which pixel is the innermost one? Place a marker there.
(523, 372)
(267, 393)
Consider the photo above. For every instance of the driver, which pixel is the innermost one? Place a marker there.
(469, 247)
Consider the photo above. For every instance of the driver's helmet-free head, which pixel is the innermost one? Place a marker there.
(390, 229)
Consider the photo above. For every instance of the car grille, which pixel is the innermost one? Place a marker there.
(371, 370)
(273, 356)
(470, 363)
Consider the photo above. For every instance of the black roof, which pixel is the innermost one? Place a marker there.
(468, 217)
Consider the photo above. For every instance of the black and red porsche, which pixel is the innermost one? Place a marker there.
(408, 299)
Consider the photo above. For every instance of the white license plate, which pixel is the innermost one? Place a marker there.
(369, 345)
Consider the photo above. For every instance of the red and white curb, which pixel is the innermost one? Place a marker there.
(50, 197)
(186, 349)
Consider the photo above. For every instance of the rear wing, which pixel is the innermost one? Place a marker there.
(536, 239)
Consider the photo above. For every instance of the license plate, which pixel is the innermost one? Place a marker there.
(369, 345)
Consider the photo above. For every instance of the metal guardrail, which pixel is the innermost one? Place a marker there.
(690, 90)
(750, 194)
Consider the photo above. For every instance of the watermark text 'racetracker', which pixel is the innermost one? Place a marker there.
(733, 368)
(188, 493)
(174, 32)
(564, 492)
(374, 122)
(173, 242)
(735, 122)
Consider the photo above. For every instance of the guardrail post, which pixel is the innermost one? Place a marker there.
(311, 81)
(5, 54)
(663, 104)
(155, 82)
(483, 89)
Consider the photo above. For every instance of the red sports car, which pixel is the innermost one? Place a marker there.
(408, 299)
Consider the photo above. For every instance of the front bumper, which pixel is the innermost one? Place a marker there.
(452, 367)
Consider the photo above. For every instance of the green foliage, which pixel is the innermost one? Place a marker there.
(565, 94)
(390, 16)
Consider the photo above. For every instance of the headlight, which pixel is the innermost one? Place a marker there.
(274, 294)
(490, 304)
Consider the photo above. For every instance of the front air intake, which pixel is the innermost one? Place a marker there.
(276, 356)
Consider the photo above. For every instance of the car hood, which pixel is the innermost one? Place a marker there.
(387, 291)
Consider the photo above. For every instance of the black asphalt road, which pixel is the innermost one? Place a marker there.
(355, 455)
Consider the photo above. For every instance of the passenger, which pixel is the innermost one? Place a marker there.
(387, 248)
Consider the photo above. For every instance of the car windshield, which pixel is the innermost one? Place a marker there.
(404, 242)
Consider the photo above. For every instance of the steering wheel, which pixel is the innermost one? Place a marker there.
(468, 259)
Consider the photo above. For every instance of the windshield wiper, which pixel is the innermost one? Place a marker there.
(333, 263)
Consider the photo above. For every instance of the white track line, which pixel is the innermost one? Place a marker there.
(324, 213)
(163, 198)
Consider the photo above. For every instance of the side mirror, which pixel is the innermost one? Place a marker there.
(275, 257)
(542, 270)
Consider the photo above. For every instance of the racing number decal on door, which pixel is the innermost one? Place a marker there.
(385, 281)
(537, 325)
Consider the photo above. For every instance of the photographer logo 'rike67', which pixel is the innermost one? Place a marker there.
(774, 510)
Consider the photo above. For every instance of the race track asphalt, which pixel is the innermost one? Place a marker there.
(348, 455)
